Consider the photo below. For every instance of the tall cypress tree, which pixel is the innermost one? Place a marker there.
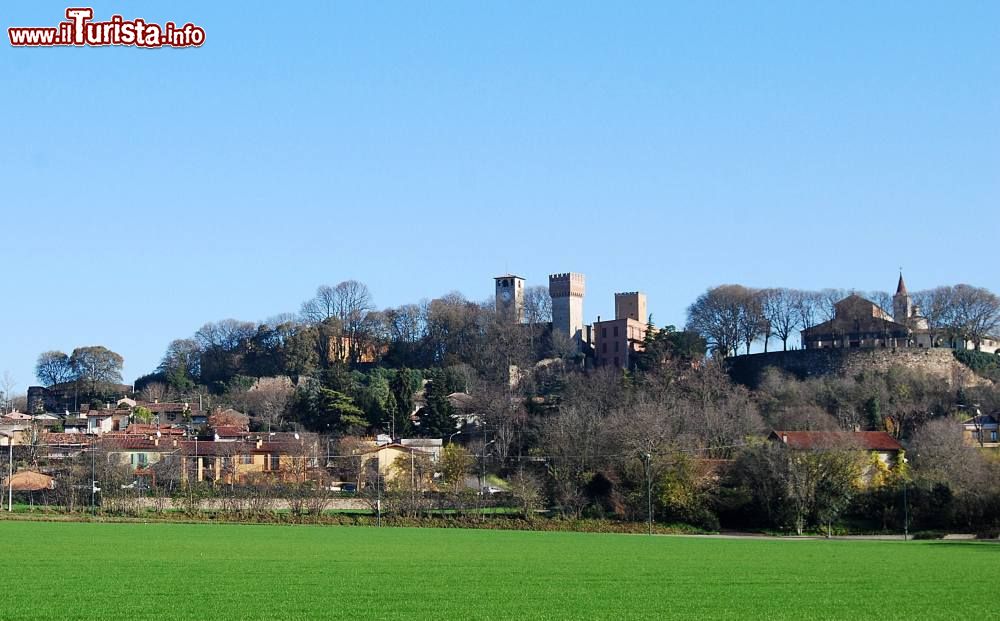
(436, 416)
(402, 392)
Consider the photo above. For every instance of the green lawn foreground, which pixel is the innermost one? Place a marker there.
(215, 571)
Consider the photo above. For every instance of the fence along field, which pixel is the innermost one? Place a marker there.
(199, 571)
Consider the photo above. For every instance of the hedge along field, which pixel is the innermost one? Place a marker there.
(212, 571)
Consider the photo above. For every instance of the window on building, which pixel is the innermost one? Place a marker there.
(993, 436)
(617, 364)
(616, 330)
(246, 459)
(616, 346)
(604, 333)
(275, 461)
(604, 348)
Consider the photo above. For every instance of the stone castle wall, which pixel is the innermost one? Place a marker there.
(937, 362)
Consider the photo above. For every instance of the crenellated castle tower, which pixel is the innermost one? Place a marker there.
(566, 291)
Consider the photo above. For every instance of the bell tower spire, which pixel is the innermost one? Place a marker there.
(902, 303)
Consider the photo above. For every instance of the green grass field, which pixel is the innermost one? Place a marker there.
(182, 571)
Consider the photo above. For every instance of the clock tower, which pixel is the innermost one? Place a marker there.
(510, 297)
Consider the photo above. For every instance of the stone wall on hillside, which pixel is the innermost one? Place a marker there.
(938, 362)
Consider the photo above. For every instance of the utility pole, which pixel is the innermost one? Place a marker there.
(906, 508)
(10, 474)
(93, 478)
(649, 493)
(10, 470)
(378, 492)
(482, 461)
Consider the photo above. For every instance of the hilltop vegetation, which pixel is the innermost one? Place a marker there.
(673, 431)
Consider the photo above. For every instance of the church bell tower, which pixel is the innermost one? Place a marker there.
(510, 298)
(902, 303)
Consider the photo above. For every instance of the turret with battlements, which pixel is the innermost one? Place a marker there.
(567, 290)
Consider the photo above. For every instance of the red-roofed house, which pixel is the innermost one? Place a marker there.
(887, 449)
(286, 457)
(176, 413)
(229, 433)
(63, 445)
(137, 451)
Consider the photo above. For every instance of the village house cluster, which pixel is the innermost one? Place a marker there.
(214, 448)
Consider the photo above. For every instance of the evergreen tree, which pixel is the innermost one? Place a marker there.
(324, 410)
(402, 389)
(436, 416)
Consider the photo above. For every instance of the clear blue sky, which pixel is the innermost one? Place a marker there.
(427, 147)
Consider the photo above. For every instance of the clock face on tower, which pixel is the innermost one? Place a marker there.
(505, 295)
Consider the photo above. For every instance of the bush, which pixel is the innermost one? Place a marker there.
(986, 365)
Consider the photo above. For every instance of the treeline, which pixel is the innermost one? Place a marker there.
(340, 327)
(355, 368)
(93, 371)
(734, 318)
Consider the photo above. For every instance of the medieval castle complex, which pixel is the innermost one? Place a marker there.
(610, 342)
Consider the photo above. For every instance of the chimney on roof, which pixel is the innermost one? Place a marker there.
(784, 438)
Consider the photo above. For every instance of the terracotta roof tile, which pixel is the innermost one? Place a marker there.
(812, 440)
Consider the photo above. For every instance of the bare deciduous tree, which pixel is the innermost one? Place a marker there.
(716, 315)
(808, 307)
(153, 392)
(882, 298)
(96, 367)
(781, 313)
(7, 387)
(320, 307)
(53, 368)
(940, 455)
(976, 313)
(268, 403)
(752, 321)
(537, 305)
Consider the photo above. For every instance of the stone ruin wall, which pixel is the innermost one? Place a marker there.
(805, 363)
